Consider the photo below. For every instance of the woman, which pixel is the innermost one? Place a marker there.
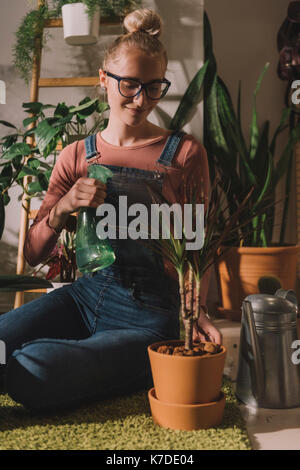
(89, 339)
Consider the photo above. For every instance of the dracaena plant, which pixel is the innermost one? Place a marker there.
(191, 264)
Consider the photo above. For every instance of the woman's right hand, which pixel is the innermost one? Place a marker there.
(85, 192)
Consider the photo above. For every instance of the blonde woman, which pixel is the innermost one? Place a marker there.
(89, 340)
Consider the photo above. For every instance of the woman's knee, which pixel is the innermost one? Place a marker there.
(27, 378)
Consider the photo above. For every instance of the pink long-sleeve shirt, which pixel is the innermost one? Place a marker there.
(189, 161)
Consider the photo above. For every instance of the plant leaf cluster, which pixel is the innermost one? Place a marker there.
(65, 122)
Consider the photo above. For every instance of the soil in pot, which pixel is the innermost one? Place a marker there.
(198, 349)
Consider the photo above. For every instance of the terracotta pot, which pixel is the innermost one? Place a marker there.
(239, 270)
(186, 380)
(186, 417)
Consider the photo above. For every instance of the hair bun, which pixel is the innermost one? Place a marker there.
(144, 20)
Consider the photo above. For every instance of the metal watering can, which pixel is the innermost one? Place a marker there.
(268, 370)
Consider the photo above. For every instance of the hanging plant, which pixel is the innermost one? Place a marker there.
(24, 49)
(107, 7)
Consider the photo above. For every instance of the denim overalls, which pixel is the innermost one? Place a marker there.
(89, 340)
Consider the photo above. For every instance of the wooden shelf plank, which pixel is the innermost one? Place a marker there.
(68, 82)
(104, 21)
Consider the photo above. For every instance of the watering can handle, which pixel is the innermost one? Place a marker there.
(287, 295)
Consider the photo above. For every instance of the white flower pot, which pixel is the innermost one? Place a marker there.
(79, 29)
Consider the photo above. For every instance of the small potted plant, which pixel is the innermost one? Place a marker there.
(81, 20)
(187, 376)
(62, 261)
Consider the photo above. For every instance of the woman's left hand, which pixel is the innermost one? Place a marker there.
(204, 330)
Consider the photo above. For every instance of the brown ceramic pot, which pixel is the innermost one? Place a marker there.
(186, 417)
(240, 269)
(186, 380)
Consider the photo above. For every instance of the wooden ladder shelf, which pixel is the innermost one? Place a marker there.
(36, 83)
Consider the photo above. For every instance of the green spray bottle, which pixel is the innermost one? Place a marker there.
(92, 253)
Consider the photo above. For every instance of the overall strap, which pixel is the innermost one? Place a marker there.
(170, 148)
(90, 146)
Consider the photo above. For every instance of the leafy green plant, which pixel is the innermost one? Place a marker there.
(62, 260)
(240, 166)
(107, 7)
(65, 122)
(25, 48)
(30, 34)
(191, 264)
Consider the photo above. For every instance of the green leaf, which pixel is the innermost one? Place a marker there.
(34, 187)
(254, 132)
(76, 109)
(61, 110)
(17, 149)
(101, 107)
(7, 124)
(29, 120)
(44, 134)
(27, 171)
(34, 163)
(35, 107)
(190, 100)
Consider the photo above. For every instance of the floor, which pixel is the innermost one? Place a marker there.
(268, 429)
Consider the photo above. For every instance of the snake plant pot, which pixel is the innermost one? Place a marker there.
(186, 417)
(241, 269)
(79, 29)
(186, 379)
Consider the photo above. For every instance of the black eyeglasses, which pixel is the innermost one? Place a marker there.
(130, 87)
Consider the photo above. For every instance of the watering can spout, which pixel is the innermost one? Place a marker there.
(257, 355)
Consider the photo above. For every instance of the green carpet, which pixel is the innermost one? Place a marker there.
(120, 424)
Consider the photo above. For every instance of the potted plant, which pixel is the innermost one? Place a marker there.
(62, 261)
(187, 376)
(81, 19)
(65, 124)
(241, 167)
(68, 123)
(32, 26)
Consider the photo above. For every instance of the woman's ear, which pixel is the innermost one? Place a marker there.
(102, 77)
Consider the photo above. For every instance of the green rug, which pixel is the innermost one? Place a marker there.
(119, 424)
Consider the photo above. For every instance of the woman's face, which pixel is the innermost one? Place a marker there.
(135, 64)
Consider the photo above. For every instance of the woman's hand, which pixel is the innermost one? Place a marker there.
(86, 192)
(204, 330)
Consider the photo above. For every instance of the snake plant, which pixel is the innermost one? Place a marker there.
(241, 165)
